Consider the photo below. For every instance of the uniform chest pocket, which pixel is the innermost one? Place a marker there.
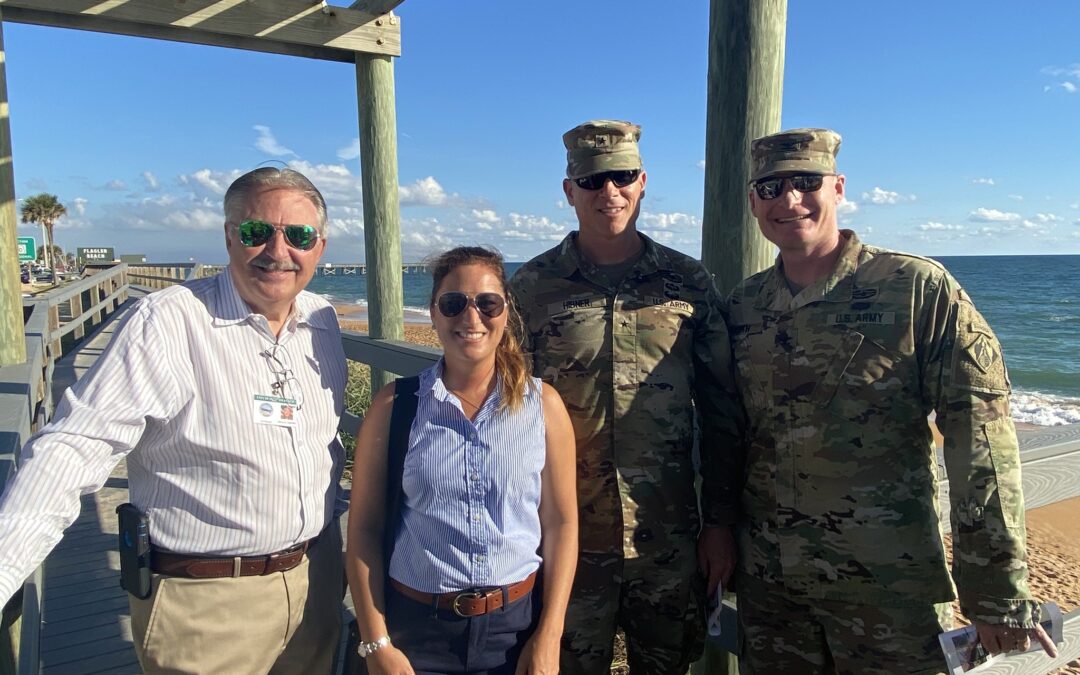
(863, 377)
(754, 370)
(661, 327)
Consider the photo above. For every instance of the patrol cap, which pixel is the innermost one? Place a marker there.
(796, 150)
(601, 145)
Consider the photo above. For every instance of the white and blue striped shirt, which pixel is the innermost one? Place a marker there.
(471, 491)
(175, 388)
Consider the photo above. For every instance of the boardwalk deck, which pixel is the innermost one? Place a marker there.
(86, 627)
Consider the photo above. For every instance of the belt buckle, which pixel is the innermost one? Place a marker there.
(469, 595)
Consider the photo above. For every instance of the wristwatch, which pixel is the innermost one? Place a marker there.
(364, 649)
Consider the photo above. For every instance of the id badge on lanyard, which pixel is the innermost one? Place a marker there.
(273, 410)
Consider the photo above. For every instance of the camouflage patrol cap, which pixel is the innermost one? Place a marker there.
(601, 145)
(795, 150)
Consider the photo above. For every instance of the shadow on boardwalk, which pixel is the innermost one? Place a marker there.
(87, 627)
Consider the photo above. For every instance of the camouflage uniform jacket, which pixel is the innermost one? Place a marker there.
(838, 382)
(630, 363)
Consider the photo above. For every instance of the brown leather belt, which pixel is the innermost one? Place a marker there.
(469, 603)
(198, 567)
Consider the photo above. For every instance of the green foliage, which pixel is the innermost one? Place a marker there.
(358, 388)
(357, 400)
(43, 209)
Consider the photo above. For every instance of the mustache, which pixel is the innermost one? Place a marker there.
(270, 265)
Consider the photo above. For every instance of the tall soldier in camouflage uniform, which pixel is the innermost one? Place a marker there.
(630, 334)
(842, 351)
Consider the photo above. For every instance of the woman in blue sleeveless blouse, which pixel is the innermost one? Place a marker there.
(486, 545)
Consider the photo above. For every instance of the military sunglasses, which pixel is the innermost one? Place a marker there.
(453, 303)
(773, 187)
(620, 178)
(257, 233)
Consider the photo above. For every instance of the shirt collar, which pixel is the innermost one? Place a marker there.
(231, 308)
(431, 383)
(837, 286)
(570, 260)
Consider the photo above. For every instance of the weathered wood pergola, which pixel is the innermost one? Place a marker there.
(365, 33)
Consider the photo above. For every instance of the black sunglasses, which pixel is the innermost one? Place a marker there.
(771, 188)
(453, 303)
(596, 181)
(257, 233)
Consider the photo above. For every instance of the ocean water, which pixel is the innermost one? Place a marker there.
(1031, 302)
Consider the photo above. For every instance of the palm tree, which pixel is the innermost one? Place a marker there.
(44, 209)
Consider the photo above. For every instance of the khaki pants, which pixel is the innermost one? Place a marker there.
(286, 622)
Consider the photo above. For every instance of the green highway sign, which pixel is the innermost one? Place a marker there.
(27, 249)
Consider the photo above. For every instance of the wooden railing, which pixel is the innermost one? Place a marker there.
(53, 323)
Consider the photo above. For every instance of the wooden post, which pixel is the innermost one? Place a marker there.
(382, 218)
(745, 90)
(12, 335)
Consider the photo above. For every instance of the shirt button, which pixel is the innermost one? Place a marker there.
(480, 557)
(474, 476)
(476, 517)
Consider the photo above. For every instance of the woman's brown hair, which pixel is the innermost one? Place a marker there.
(510, 365)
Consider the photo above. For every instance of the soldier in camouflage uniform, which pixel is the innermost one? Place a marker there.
(631, 335)
(842, 351)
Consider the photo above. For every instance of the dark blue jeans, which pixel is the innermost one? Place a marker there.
(439, 641)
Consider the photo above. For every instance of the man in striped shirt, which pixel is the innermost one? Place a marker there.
(224, 394)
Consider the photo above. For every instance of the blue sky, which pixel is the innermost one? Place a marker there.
(960, 123)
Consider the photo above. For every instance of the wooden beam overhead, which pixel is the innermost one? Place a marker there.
(294, 27)
(376, 7)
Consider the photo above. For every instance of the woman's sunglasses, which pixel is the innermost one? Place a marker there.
(257, 233)
(619, 178)
(453, 303)
(771, 188)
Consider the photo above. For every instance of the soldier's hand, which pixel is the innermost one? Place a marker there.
(716, 555)
(997, 638)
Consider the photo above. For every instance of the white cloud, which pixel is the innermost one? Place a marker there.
(701, 165)
(78, 205)
(194, 219)
(1017, 198)
(115, 185)
(485, 216)
(268, 144)
(879, 196)
(932, 225)
(351, 151)
(1068, 77)
(425, 192)
(560, 204)
(527, 227)
(983, 215)
(151, 180)
(847, 207)
(214, 182)
(1047, 218)
(1070, 71)
(337, 184)
(983, 181)
(669, 221)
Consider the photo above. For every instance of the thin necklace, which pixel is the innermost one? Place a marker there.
(459, 395)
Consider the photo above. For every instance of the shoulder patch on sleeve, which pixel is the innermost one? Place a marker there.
(978, 364)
